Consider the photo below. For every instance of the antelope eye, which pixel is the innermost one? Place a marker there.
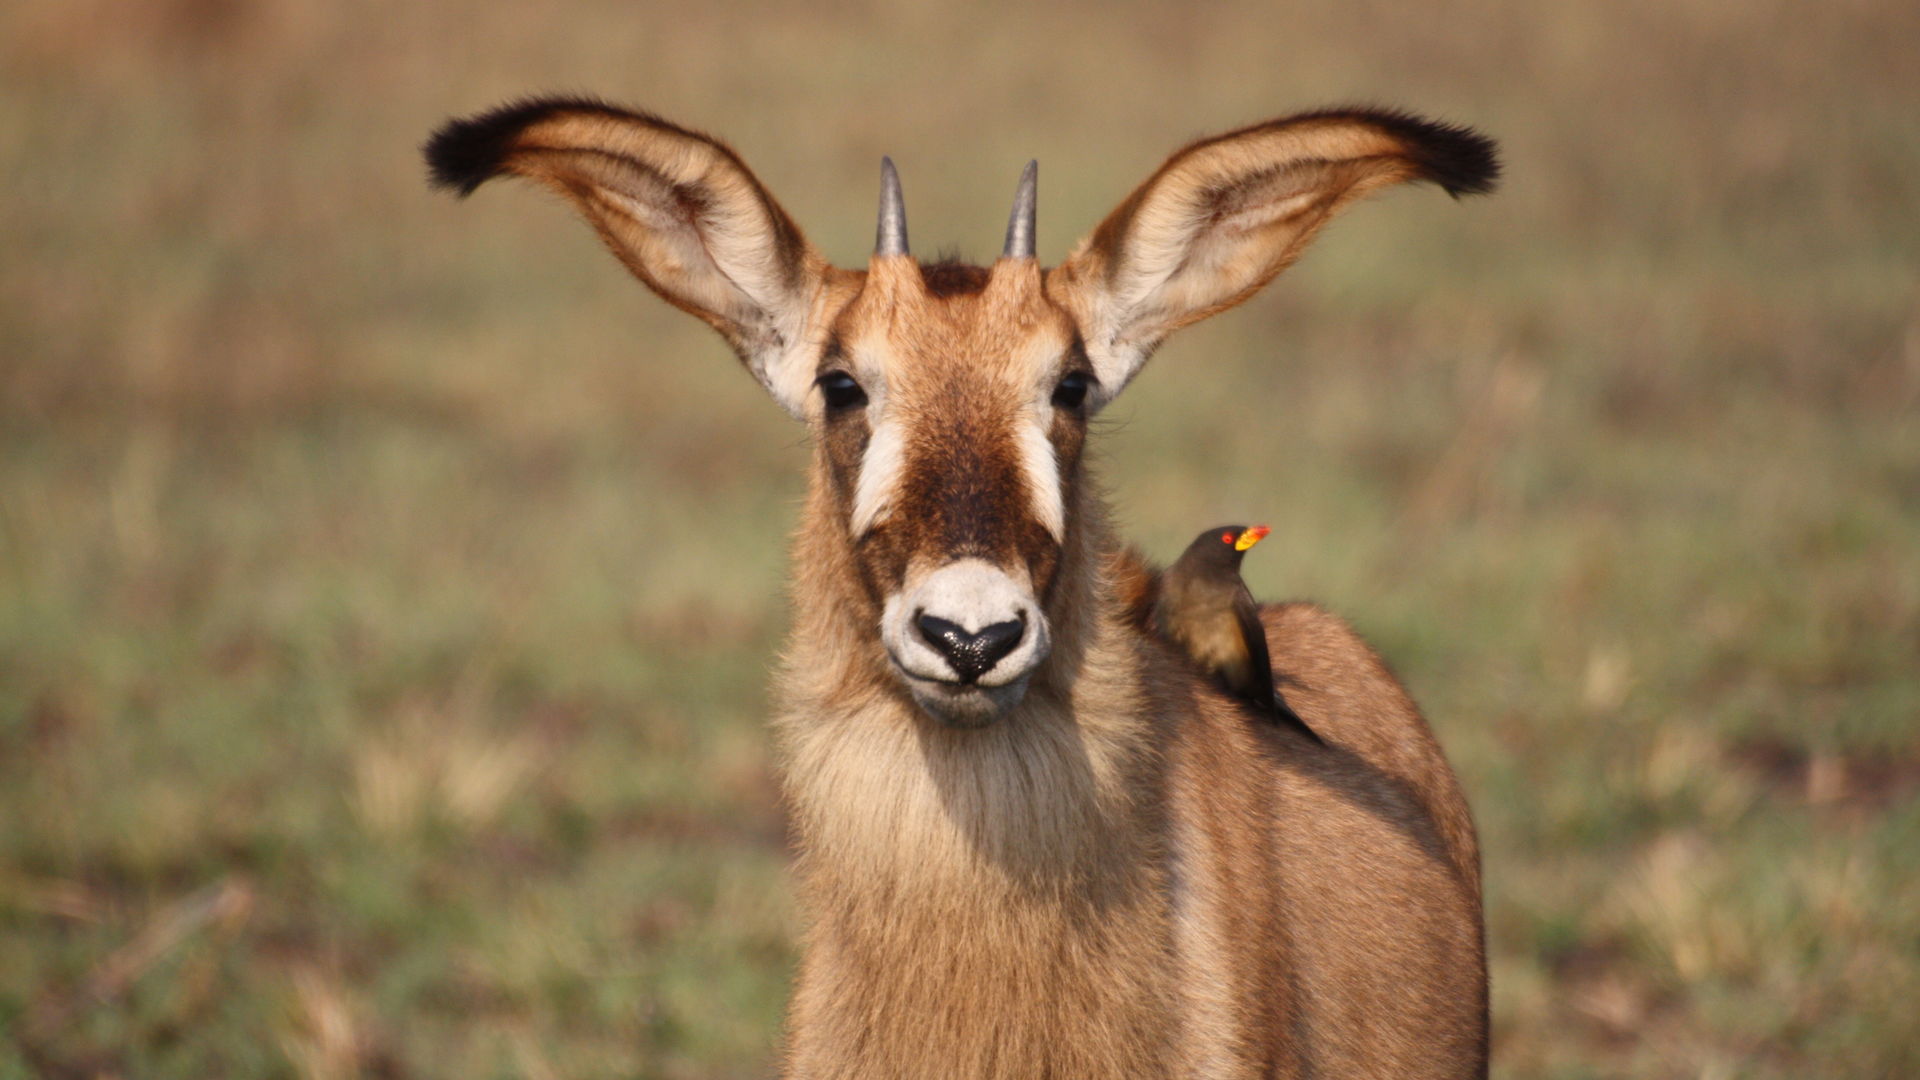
(1072, 391)
(841, 391)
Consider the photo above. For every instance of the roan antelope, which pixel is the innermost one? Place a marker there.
(1034, 842)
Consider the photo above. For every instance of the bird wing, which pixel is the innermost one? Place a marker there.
(1260, 674)
(1260, 679)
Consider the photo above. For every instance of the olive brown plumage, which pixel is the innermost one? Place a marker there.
(1204, 607)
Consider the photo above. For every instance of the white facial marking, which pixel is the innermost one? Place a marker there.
(1042, 469)
(879, 476)
(973, 594)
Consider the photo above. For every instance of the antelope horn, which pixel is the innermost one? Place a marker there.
(891, 237)
(1020, 226)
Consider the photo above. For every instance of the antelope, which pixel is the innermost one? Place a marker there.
(1031, 840)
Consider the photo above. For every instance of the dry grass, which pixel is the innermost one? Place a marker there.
(400, 565)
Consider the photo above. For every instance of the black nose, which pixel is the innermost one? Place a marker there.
(970, 655)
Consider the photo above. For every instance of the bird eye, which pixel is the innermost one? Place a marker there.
(841, 391)
(1071, 393)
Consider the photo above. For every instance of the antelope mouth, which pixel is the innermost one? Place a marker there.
(960, 705)
(965, 639)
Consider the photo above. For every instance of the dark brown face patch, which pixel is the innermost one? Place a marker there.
(964, 487)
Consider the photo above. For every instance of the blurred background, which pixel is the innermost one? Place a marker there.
(388, 584)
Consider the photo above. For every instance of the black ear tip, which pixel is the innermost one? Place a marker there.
(1461, 160)
(1456, 157)
(463, 154)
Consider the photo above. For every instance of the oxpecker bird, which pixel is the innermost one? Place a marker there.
(1205, 609)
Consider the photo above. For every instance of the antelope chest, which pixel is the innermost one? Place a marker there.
(1013, 992)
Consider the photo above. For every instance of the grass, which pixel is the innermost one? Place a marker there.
(387, 584)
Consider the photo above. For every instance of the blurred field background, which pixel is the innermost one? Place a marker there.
(387, 584)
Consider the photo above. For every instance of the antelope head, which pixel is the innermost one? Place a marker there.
(949, 404)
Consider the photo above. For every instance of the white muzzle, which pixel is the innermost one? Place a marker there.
(965, 637)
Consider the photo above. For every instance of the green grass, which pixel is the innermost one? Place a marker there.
(387, 584)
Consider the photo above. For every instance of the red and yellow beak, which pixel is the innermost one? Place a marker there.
(1251, 537)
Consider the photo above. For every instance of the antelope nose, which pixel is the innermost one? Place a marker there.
(970, 655)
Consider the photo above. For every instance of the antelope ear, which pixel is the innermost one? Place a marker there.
(678, 208)
(1226, 214)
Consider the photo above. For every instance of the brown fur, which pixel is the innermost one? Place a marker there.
(997, 903)
(1125, 875)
